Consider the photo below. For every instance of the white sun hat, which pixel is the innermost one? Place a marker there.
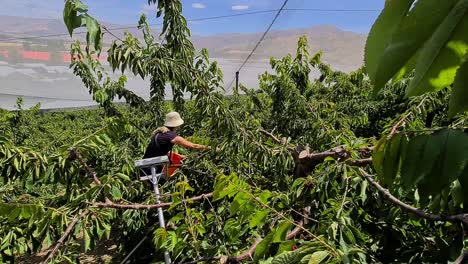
(173, 120)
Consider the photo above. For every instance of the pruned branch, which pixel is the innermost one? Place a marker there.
(60, 242)
(461, 218)
(248, 254)
(305, 161)
(110, 204)
(75, 155)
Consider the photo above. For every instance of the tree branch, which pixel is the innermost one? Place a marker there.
(461, 218)
(305, 162)
(109, 204)
(59, 243)
(276, 139)
(75, 155)
(248, 254)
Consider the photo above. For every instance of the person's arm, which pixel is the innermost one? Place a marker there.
(187, 144)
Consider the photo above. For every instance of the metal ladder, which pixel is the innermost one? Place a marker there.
(154, 178)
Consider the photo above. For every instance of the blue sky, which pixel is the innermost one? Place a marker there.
(127, 12)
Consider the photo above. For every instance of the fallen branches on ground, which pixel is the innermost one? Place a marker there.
(59, 243)
(248, 254)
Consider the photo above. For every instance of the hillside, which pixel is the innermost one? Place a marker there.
(341, 49)
(41, 75)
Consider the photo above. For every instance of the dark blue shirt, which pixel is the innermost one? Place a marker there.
(160, 145)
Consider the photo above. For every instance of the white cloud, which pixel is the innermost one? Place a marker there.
(240, 7)
(198, 5)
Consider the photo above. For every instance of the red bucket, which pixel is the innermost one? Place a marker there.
(176, 162)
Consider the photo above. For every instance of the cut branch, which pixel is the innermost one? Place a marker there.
(109, 204)
(461, 218)
(60, 242)
(305, 161)
(248, 254)
(75, 155)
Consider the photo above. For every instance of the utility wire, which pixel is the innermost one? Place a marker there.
(260, 40)
(331, 10)
(199, 19)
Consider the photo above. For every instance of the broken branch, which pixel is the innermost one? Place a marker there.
(59, 243)
(248, 254)
(75, 155)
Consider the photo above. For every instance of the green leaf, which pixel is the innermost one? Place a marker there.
(258, 218)
(281, 232)
(264, 196)
(411, 34)
(79, 6)
(443, 53)
(160, 237)
(70, 15)
(463, 179)
(94, 32)
(419, 153)
(124, 177)
(263, 247)
(286, 257)
(363, 194)
(458, 102)
(405, 70)
(391, 162)
(240, 199)
(451, 161)
(87, 239)
(286, 246)
(378, 155)
(116, 193)
(457, 193)
(381, 32)
(318, 257)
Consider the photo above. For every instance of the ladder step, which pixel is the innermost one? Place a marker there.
(158, 176)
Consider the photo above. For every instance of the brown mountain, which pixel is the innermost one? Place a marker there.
(341, 48)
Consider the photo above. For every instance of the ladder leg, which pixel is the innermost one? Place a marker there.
(162, 224)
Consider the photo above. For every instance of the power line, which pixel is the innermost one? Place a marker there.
(331, 10)
(200, 19)
(261, 39)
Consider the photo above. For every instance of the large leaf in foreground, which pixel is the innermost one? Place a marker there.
(381, 32)
(458, 98)
(414, 30)
(443, 53)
